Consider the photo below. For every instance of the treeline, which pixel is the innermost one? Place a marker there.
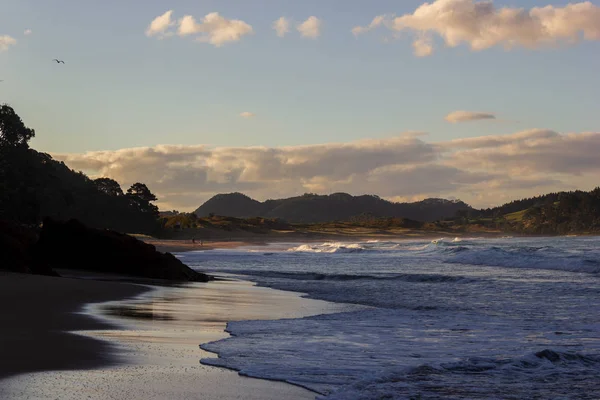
(557, 213)
(34, 186)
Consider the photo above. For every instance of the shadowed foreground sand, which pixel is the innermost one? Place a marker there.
(37, 311)
(142, 348)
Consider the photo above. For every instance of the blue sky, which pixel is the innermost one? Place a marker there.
(120, 88)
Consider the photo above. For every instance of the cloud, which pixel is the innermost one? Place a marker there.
(6, 42)
(281, 26)
(481, 25)
(465, 116)
(480, 142)
(375, 23)
(414, 134)
(423, 46)
(483, 171)
(27, 32)
(247, 114)
(160, 24)
(214, 29)
(311, 28)
(535, 151)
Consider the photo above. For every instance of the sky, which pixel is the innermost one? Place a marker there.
(482, 101)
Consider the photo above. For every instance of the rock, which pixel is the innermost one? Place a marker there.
(72, 245)
(548, 355)
(16, 243)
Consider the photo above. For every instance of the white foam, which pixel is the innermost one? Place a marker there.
(451, 307)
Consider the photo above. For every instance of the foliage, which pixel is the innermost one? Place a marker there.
(108, 186)
(34, 186)
(551, 214)
(13, 133)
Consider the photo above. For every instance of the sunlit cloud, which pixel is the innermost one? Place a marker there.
(375, 23)
(27, 32)
(214, 29)
(281, 26)
(6, 42)
(481, 25)
(247, 114)
(160, 25)
(483, 170)
(466, 116)
(311, 28)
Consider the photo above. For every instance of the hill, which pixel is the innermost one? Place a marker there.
(34, 186)
(313, 208)
(550, 214)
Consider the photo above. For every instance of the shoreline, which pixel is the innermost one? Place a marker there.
(155, 337)
(36, 330)
(185, 245)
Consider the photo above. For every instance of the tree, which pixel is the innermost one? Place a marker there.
(140, 197)
(108, 186)
(141, 191)
(13, 132)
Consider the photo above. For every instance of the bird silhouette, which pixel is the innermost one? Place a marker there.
(58, 61)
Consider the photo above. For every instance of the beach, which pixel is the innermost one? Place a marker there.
(144, 344)
(37, 314)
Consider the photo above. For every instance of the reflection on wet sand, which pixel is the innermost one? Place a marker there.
(158, 346)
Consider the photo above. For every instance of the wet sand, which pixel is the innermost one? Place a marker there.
(37, 312)
(154, 340)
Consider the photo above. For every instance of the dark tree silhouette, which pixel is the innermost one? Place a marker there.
(13, 131)
(141, 197)
(141, 190)
(108, 186)
(34, 186)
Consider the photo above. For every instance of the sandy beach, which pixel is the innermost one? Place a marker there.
(38, 311)
(145, 347)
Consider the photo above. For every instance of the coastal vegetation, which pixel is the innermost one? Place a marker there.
(33, 186)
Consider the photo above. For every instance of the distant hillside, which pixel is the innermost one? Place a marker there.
(550, 214)
(313, 208)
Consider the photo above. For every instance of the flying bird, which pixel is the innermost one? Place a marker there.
(58, 61)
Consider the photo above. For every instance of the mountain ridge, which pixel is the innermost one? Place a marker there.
(314, 208)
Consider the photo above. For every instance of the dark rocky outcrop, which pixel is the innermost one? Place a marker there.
(16, 244)
(72, 245)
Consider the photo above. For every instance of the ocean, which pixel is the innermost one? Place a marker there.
(470, 318)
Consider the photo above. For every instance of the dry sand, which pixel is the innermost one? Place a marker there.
(180, 245)
(153, 339)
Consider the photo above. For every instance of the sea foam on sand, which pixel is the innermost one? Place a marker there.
(158, 346)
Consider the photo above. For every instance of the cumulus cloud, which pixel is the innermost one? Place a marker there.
(311, 28)
(6, 42)
(482, 170)
(27, 32)
(247, 114)
(160, 25)
(481, 25)
(375, 23)
(281, 26)
(465, 116)
(214, 29)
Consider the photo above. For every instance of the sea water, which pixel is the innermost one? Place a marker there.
(511, 318)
